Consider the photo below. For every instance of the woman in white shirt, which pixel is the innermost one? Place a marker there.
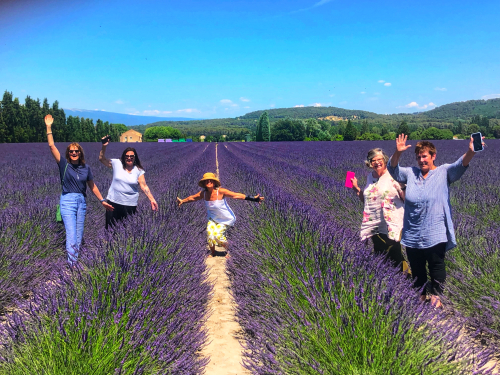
(123, 193)
(383, 199)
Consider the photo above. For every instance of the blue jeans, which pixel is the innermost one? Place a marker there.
(73, 209)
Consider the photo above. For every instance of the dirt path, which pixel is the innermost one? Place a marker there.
(224, 348)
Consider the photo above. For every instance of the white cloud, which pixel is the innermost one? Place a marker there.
(387, 84)
(490, 96)
(376, 93)
(234, 105)
(331, 95)
(381, 81)
(188, 110)
(417, 106)
(155, 112)
(119, 101)
(440, 89)
(272, 105)
(226, 101)
(246, 107)
(316, 105)
(299, 106)
(244, 99)
(362, 92)
(343, 102)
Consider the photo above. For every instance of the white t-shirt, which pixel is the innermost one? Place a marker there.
(124, 188)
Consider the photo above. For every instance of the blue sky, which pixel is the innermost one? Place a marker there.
(213, 59)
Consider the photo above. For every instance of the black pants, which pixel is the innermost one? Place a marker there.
(433, 257)
(383, 245)
(120, 212)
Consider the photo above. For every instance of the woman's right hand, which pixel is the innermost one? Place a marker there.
(401, 143)
(48, 121)
(355, 186)
(179, 201)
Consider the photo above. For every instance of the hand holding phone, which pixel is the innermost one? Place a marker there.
(350, 175)
(106, 139)
(477, 141)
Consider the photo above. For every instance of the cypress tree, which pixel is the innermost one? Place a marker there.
(350, 132)
(265, 127)
(258, 135)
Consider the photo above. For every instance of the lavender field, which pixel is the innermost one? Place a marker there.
(311, 298)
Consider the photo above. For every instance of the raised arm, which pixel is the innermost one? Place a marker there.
(232, 194)
(192, 198)
(469, 154)
(145, 189)
(50, 139)
(98, 195)
(401, 146)
(102, 157)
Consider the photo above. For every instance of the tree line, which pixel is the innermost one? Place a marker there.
(21, 123)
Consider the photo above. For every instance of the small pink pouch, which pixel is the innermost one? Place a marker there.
(348, 182)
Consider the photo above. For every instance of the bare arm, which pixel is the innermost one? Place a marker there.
(357, 189)
(401, 147)
(50, 139)
(145, 189)
(98, 195)
(232, 194)
(192, 198)
(102, 157)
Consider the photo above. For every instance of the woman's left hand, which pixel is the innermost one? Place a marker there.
(154, 205)
(259, 198)
(107, 206)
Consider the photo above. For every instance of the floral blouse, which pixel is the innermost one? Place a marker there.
(384, 209)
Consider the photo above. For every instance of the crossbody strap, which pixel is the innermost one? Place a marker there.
(64, 175)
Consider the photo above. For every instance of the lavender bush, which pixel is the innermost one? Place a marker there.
(138, 301)
(312, 298)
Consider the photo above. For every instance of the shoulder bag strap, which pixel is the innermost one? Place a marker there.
(64, 175)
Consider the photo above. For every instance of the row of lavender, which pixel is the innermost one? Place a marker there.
(474, 266)
(313, 299)
(138, 303)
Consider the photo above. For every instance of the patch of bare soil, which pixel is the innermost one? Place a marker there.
(224, 349)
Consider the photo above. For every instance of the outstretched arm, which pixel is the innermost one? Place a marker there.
(98, 195)
(401, 146)
(192, 198)
(232, 194)
(102, 157)
(145, 189)
(50, 139)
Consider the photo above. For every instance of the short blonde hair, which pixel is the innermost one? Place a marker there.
(374, 152)
(82, 155)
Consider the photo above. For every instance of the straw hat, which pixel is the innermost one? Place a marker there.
(209, 176)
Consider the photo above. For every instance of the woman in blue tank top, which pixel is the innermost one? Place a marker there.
(219, 214)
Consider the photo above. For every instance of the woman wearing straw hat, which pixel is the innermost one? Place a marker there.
(220, 215)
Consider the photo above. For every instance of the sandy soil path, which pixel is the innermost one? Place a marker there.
(224, 348)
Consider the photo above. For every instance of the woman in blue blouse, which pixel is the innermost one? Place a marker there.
(427, 226)
(75, 177)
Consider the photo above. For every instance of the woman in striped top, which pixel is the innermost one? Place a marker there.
(427, 226)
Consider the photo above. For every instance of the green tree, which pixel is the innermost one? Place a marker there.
(403, 128)
(258, 133)
(364, 127)
(350, 132)
(288, 130)
(59, 128)
(99, 129)
(496, 131)
(265, 127)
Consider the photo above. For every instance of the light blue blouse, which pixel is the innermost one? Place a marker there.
(427, 218)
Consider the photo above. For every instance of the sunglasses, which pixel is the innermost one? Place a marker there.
(74, 151)
(130, 157)
(209, 181)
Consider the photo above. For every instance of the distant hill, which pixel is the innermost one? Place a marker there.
(119, 118)
(313, 112)
(465, 110)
